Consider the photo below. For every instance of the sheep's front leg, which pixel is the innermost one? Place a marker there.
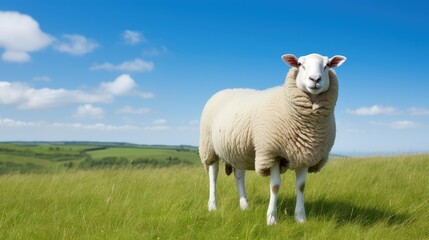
(239, 181)
(274, 189)
(301, 175)
(213, 172)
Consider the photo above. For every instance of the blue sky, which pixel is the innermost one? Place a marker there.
(141, 71)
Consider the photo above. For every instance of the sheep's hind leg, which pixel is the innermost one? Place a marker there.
(240, 182)
(213, 172)
(301, 175)
(275, 181)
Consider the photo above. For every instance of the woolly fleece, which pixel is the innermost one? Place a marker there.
(250, 129)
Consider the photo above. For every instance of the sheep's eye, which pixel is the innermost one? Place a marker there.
(302, 66)
(326, 66)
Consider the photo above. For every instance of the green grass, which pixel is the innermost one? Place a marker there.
(368, 198)
(45, 149)
(38, 158)
(24, 158)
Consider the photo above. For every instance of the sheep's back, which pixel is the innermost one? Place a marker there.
(227, 116)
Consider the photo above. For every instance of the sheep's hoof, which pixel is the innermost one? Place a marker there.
(299, 218)
(212, 206)
(243, 204)
(272, 219)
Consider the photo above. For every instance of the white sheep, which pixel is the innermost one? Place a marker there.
(286, 127)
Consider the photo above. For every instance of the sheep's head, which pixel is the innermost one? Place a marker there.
(313, 71)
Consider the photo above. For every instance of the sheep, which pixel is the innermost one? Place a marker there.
(285, 127)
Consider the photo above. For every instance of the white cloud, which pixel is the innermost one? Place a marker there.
(157, 128)
(146, 95)
(124, 85)
(133, 37)
(404, 124)
(97, 126)
(26, 97)
(374, 110)
(43, 78)
(75, 44)
(136, 65)
(158, 125)
(19, 35)
(89, 111)
(16, 56)
(161, 121)
(380, 110)
(418, 111)
(131, 110)
(155, 51)
(121, 86)
(192, 125)
(6, 122)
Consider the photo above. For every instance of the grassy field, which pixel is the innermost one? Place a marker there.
(155, 153)
(367, 198)
(39, 158)
(43, 158)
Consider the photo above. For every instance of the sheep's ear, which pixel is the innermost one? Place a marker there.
(336, 61)
(290, 60)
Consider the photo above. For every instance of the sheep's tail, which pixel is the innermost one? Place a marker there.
(228, 169)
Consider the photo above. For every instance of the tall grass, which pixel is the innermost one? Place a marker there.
(372, 198)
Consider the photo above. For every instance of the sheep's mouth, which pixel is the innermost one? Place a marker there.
(314, 89)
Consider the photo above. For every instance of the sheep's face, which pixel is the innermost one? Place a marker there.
(313, 71)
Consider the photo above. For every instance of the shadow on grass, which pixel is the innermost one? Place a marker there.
(341, 212)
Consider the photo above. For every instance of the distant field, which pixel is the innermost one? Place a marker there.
(353, 198)
(27, 158)
(155, 153)
(39, 158)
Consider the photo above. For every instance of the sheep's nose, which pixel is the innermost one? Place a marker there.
(315, 78)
